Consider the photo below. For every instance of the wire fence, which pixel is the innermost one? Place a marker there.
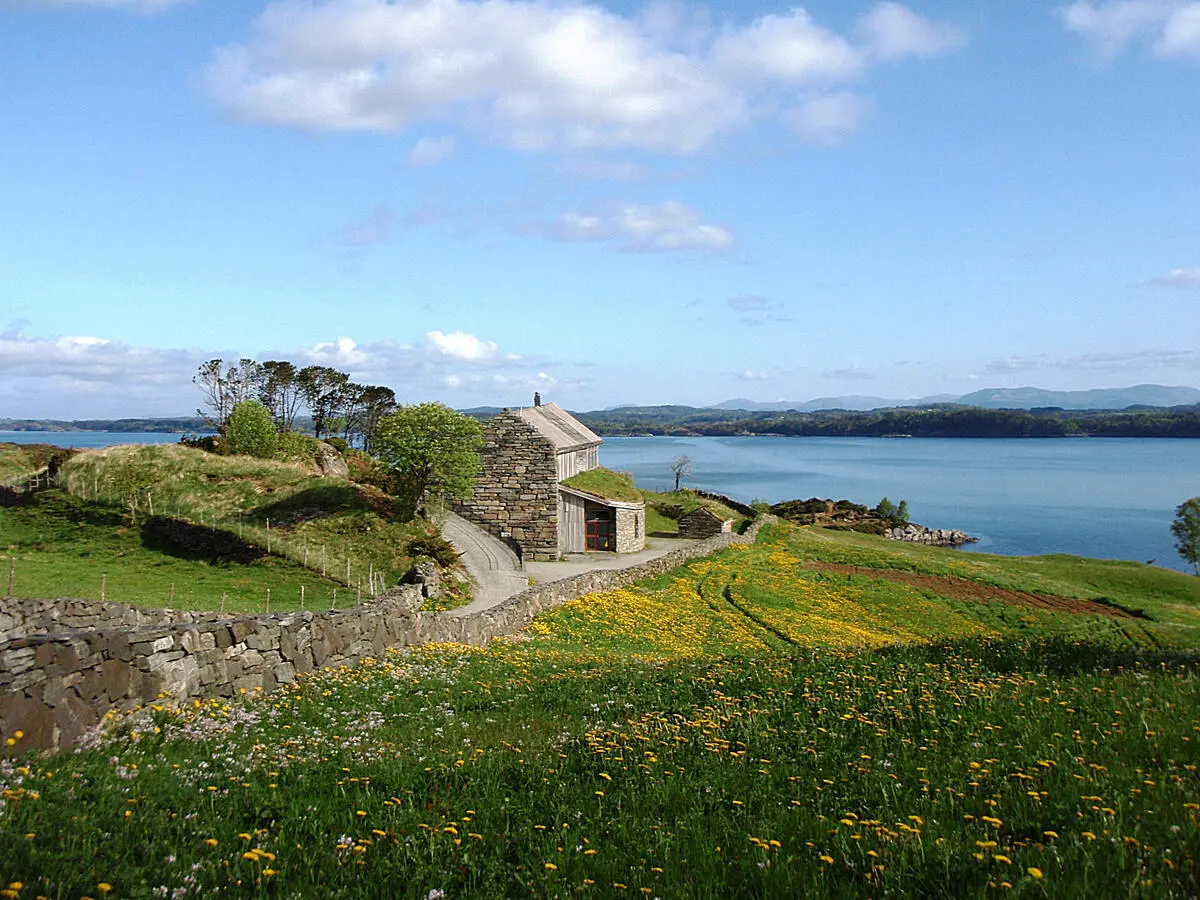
(187, 586)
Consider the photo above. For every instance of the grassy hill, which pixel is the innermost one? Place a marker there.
(275, 525)
(822, 714)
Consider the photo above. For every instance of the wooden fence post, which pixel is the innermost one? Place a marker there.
(103, 586)
(268, 600)
(12, 574)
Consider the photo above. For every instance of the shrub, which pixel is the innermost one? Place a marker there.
(296, 447)
(252, 430)
(338, 444)
(435, 547)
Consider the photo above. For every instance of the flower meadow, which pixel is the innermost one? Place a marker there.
(744, 727)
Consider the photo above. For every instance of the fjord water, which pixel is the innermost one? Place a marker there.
(1112, 498)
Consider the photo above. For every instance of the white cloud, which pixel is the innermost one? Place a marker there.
(536, 75)
(463, 346)
(431, 151)
(83, 376)
(829, 118)
(892, 31)
(668, 226)
(343, 353)
(1183, 278)
(1171, 28)
(789, 48)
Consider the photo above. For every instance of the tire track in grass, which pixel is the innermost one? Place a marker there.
(761, 634)
(757, 619)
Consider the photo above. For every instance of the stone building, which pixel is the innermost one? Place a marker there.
(526, 455)
(702, 522)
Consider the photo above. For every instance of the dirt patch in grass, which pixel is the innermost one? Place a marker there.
(962, 589)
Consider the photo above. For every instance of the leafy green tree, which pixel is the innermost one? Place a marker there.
(279, 392)
(1186, 529)
(432, 449)
(252, 430)
(323, 389)
(902, 511)
(886, 509)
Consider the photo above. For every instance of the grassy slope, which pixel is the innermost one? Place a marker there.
(17, 460)
(739, 727)
(1171, 598)
(322, 521)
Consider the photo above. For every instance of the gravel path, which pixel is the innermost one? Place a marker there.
(497, 573)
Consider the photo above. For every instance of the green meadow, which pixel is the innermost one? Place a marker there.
(790, 719)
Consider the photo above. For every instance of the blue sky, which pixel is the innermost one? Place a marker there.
(612, 202)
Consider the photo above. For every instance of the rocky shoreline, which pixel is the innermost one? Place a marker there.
(933, 537)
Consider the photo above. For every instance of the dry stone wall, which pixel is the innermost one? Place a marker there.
(517, 488)
(66, 663)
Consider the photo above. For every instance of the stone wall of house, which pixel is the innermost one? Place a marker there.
(71, 664)
(517, 488)
(631, 529)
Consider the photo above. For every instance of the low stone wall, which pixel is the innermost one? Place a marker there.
(67, 663)
(20, 617)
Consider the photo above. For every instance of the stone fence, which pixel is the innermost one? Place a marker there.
(64, 664)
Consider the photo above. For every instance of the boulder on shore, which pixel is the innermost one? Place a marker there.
(934, 537)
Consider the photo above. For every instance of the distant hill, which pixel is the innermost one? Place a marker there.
(858, 402)
(1100, 398)
(1153, 395)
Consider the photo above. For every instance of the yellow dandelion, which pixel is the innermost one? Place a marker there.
(104, 887)
(551, 867)
(827, 859)
(212, 842)
(1034, 872)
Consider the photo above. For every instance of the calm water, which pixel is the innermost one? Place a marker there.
(88, 438)
(1105, 497)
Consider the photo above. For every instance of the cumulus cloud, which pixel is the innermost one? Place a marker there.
(84, 376)
(891, 31)
(535, 75)
(431, 151)
(1170, 28)
(669, 226)
(461, 345)
(1180, 278)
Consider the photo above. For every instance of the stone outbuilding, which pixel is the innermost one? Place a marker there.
(702, 522)
(519, 497)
